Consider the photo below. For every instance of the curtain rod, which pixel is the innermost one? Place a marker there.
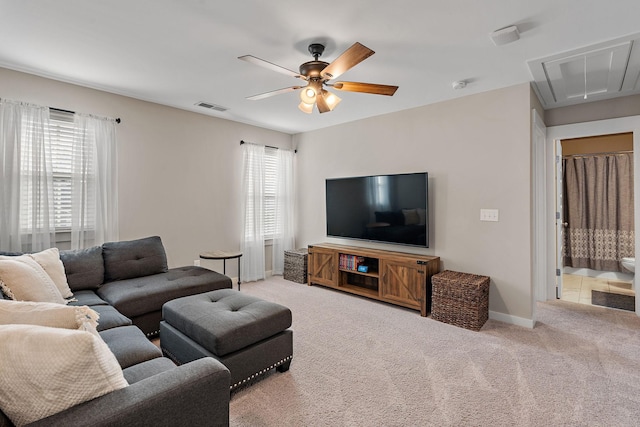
(73, 112)
(604, 153)
(268, 146)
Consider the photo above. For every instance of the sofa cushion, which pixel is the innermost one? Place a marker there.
(47, 370)
(135, 297)
(135, 258)
(47, 314)
(110, 317)
(49, 260)
(129, 345)
(87, 297)
(84, 268)
(23, 279)
(10, 253)
(147, 369)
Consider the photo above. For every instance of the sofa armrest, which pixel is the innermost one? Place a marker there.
(193, 394)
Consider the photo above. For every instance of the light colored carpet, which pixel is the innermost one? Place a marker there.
(359, 362)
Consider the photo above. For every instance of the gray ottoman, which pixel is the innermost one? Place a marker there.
(248, 335)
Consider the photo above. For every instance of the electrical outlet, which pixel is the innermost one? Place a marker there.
(489, 215)
(196, 262)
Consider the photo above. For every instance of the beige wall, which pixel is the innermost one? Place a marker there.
(477, 152)
(591, 111)
(178, 171)
(180, 176)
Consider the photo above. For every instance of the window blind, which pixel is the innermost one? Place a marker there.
(62, 133)
(270, 183)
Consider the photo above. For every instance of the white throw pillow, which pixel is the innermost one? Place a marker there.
(23, 279)
(47, 370)
(49, 260)
(48, 314)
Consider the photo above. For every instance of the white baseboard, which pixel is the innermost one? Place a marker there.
(512, 320)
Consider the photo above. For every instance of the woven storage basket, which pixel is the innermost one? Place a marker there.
(460, 299)
(295, 265)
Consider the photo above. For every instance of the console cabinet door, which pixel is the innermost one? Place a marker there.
(323, 266)
(403, 282)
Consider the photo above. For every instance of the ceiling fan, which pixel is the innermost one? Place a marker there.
(317, 74)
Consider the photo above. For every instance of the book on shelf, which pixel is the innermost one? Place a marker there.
(350, 262)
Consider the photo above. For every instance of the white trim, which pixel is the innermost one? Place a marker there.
(512, 320)
(538, 139)
(578, 130)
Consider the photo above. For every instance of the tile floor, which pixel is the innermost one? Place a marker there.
(577, 288)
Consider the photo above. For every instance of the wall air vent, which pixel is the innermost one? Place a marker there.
(211, 106)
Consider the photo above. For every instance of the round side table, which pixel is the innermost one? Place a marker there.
(224, 256)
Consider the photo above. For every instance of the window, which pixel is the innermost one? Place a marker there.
(61, 132)
(268, 190)
(270, 185)
(59, 178)
(267, 205)
(60, 141)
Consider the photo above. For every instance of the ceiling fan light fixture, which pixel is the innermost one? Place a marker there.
(305, 108)
(308, 95)
(331, 99)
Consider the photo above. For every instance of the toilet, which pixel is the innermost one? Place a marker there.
(630, 265)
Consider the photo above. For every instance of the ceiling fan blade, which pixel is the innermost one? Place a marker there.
(366, 88)
(273, 92)
(348, 59)
(271, 66)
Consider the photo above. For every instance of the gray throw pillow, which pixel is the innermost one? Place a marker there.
(135, 258)
(84, 268)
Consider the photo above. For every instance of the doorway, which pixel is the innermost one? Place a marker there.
(597, 230)
(552, 277)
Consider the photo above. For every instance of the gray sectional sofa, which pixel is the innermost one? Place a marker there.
(133, 277)
(127, 283)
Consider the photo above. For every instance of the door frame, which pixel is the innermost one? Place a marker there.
(580, 130)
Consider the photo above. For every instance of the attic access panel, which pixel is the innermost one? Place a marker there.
(612, 69)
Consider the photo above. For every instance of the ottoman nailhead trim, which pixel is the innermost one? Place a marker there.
(171, 356)
(264, 371)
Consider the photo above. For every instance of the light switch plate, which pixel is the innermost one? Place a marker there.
(489, 215)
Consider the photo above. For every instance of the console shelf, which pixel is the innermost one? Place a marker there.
(395, 277)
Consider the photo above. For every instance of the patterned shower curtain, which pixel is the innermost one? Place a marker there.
(598, 211)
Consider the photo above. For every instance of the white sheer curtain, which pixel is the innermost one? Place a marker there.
(26, 190)
(94, 189)
(283, 238)
(252, 241)
(58, 175)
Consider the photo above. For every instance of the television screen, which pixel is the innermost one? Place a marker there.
(381, 208)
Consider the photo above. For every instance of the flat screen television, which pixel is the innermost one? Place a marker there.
(380, 208)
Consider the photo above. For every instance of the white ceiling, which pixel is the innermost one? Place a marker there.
(181, 52)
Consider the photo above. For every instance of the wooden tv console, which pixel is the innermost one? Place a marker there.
(395, 277)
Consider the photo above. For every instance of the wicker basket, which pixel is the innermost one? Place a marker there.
(295, 265)
(460, 299)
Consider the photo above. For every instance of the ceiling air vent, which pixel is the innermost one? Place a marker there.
(591, 73)
(211, 106)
